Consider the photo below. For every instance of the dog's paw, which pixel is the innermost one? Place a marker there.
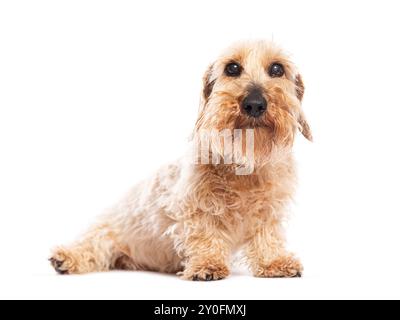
(282, 267)
(206, 272)
(62, 261)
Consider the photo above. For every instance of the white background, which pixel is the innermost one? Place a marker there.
(95, 95)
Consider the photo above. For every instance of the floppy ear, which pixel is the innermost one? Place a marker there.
(303, 124)
(208, 84)
(207, 89)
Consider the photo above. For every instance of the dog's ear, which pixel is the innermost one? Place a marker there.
(208, 83)
(303, 124)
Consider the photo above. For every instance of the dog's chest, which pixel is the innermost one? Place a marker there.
(246, 201)
(252, 200)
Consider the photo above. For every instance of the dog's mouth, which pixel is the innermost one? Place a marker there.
(248, 123)
(254, 127)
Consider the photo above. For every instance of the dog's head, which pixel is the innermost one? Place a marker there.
(254, 85)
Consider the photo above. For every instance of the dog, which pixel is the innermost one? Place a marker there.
(189, 218)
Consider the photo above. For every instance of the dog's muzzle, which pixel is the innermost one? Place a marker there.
(254, 104)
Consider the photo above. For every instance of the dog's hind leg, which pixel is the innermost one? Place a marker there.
(96, 251)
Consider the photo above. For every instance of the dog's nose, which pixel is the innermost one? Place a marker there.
(254, 104)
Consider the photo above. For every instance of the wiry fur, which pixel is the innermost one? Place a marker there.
(190, 218)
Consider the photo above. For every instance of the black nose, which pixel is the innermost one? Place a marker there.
(254, 104)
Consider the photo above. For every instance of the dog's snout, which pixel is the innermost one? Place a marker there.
(254, 104)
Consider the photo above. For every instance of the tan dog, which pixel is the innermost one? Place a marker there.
(190, 218)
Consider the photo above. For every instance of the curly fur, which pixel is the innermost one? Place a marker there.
(189, 219)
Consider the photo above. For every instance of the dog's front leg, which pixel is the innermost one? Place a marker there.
(207, 253)
(267, 255)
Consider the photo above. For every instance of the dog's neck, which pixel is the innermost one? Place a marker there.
(278, 161)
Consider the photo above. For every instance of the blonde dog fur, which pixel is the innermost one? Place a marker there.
(190, 218)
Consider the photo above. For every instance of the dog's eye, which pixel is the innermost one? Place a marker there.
(233, 69)
(276, 70)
